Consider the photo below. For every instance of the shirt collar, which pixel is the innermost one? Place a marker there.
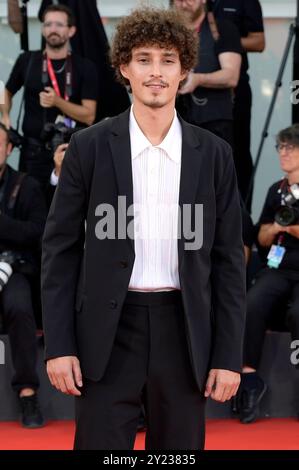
(172, 143)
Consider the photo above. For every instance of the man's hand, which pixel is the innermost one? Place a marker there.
(65, 374)
(5, 119)
(58, 158)
(191, 84)
(222, 384)
(48, 98)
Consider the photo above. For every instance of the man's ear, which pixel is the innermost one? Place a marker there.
(9, 149)
(72, 31)
(124, 70)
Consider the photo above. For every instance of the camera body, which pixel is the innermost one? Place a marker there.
(55, 134)
(288, 213)
(16, 139)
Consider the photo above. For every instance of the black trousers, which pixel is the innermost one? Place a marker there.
(149, 359)
(16, 305)
(265, 299)
(241, 125)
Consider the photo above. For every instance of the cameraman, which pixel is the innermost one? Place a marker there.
(22, 220)
(277, 283)
(59, 87)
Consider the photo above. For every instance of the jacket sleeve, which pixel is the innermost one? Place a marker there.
(25, 230)
(63, 244)
(228, 274)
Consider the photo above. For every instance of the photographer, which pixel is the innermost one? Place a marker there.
(278, 283)
(22, 220)
(59, 87)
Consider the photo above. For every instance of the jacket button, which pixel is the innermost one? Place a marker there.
(113, 304)
(123, 264)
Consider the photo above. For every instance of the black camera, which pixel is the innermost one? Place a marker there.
(56, 134)
(16, 139)
(288, 214)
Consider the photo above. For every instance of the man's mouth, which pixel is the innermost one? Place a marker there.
(156, 86)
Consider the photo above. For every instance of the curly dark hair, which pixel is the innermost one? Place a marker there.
(153, 27)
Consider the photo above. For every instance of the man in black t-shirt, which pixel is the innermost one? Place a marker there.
(248, 18)
(60, 87)
(278, 282)
(206, 98)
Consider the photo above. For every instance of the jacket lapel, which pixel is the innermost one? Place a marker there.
(121, 154)
(190, 170)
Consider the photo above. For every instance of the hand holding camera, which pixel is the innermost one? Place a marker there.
(58, 158)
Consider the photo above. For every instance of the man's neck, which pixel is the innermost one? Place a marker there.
(293, 177)
(154, 123)
(56, 54)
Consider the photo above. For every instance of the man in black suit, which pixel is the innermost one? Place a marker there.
(145, 300)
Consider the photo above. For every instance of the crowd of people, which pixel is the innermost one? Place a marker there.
(60, 99)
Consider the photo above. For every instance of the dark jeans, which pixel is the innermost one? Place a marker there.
(222, 128)
(241, 124)
(272, 290)
(38, 162)
(149, 359)
(16, 305)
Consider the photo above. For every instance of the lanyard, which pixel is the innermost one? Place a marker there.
(48, 70)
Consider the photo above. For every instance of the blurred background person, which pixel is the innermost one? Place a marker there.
(60, 88)
(248, 18)
(277, 284)
(22, 220)
(206, 97)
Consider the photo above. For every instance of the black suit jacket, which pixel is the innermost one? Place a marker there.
(85, 280)
(21, 228)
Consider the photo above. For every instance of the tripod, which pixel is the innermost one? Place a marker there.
(24, 35)
(293, 32)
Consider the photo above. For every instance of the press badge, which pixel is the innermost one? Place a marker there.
(275, 256)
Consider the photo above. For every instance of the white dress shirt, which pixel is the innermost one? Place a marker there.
(156, 181)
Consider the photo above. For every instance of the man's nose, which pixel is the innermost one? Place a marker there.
(156, 69)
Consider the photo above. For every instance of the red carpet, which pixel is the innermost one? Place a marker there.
(271, 434)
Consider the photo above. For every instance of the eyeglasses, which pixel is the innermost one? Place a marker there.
(286, 147)
(58, 24)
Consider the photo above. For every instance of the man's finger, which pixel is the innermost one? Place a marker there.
(77, 373)
(210, 384)
(70, 386)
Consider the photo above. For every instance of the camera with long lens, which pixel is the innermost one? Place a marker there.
(6, 270)
(288, 214)
(56, 134)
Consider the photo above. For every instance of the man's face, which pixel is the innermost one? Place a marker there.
(56, 30)
(192, 9)
(154, 75)
(5, 148)
(289, 157)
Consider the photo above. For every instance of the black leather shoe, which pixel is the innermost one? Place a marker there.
(250, 398)
(31, 414)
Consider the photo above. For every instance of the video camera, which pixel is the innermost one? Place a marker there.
(56, 134)
(288, 214)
